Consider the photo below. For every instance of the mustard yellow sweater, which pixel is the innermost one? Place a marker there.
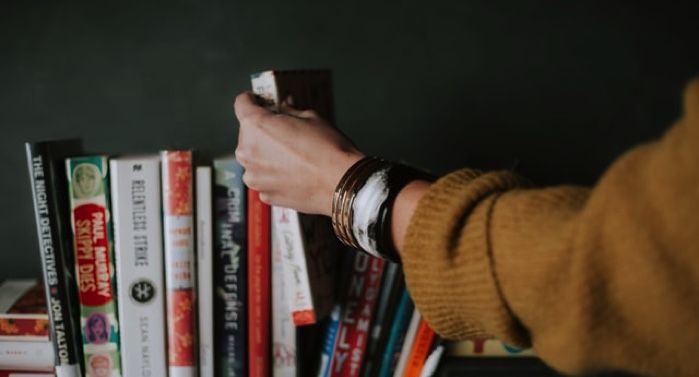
(595, 279)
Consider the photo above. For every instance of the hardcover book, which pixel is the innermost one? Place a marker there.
(23, 311)
(308, 245)
(52, 214)
(138, 238)
(357, 314)
(259, 329)
(88, 179)
(230, 269)
(178, 234)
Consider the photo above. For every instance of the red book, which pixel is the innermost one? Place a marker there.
(420, 351)
(357, 312)
(258, 285)
(23, 311)
(178, 229)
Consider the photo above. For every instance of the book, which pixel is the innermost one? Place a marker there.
(283, 329)
(23, 311)
(205, 280)
(408, 342)
(26, 355)
(486, 348)
(88, 181)
(178, 235)
(45, 161)
(230, 269)
(309, 247)
(138, 251)
(420, 350)
(328, 351)
(396, 337)
(258, 286)
(24, 373)
(356, 318)
(391, 289)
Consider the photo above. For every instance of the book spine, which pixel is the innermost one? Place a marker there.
(421, 349)
(88, 179)
(283, 330)
(396, 335)
(53, 232)
(205, 270)
(355, 323)
(178, 233)
(287, 232)
(389, 286)
(328, 351)
(407, 344)
(230, 270)
(26, 355)
(136, 207)
(258, 285)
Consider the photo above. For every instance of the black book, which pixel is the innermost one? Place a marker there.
(46, 162)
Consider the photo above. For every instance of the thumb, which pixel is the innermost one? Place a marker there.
(246, 105)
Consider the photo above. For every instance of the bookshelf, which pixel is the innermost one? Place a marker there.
(140, 77)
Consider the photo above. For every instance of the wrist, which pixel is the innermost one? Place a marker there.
(363, 204)
(334, 174)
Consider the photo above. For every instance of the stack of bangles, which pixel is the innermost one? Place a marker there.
(363, 201)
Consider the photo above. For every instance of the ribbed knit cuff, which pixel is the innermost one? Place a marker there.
(448, 262)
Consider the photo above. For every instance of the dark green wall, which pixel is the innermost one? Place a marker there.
(558, 88)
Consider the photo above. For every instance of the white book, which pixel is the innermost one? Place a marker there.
(26, 355)
(283, 329)
(136, 209)
(407, 344)
(205, 290)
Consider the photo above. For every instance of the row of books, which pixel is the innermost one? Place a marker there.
(166, 264)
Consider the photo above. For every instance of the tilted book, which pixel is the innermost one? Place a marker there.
(178, 234)
(391, 288)
(205, 280)
(420, 350)
(396, 336)
(138, 250)
(230, 269)
(52, 214)
(308, 245)
(408, 342)
(88, 179)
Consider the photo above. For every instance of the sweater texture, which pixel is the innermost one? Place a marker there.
(595, 279)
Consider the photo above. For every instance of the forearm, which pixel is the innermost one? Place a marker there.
(595, 279)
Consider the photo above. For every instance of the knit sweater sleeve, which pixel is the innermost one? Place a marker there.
(594, 279)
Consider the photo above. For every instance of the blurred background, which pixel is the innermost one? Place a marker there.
(555, 89)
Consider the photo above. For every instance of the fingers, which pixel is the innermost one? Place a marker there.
(246, 106)
(286, 108)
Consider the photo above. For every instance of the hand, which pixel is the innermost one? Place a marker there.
(295, 159)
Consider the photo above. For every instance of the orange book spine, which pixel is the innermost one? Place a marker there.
(420, 351)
